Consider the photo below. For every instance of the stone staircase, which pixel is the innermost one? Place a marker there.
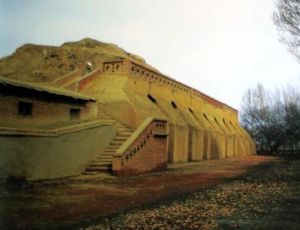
(103, 161)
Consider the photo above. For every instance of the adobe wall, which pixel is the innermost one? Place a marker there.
(31, 157)
(43, 109)
(200, 127)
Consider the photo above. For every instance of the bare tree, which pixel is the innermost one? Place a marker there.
(262, 117)
(272, 119)
(291, 97)
(287, 19)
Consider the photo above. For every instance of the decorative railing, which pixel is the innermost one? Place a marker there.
(113, 67)
(132, 68)
(138, 141)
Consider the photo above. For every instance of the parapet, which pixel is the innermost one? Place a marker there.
(131, 68)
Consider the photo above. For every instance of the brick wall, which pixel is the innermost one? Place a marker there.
(147, 153)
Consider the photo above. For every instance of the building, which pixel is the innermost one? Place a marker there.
(123, 118)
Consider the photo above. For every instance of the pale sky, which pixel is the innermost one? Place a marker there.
(221, 48)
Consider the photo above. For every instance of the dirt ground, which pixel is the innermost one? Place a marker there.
(253, 192)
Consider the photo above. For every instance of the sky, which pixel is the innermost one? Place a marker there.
(221, 48)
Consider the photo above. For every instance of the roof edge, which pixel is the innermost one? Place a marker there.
(45, 88)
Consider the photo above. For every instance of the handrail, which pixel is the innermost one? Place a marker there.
(66, 76)
(134, 136)
(80, 78)
(54, 132)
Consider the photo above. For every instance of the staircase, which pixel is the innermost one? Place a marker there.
(103, 161)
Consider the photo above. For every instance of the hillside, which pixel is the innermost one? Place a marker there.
(40, 63)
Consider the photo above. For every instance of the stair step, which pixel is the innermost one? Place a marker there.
(90, 173)
(109, 151)
(119, 138)
(106, 152)
(100, 160)
(103, 162)
(116, 143)
(106, 156)
(112, 148)
(97, 169)
(100, 164)
(124, 134)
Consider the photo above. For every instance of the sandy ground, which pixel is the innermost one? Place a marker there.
(207, 195)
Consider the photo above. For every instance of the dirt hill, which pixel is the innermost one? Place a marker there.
(40, 63)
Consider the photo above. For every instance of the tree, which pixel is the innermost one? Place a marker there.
(291, 98)
(262, 117)
(287, 19)
(272, 119)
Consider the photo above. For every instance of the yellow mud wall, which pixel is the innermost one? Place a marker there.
(162, 107)
(196, 144)
(109, 90)
(199, 127)
(30, 156)
(230, 145)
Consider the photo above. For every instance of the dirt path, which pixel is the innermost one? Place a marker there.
(267, 197)
(82, 201)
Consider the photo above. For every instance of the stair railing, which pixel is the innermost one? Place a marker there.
(150, 128)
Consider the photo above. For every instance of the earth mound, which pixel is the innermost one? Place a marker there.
(41, 63)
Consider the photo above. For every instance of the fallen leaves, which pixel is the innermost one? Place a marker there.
(256, 201)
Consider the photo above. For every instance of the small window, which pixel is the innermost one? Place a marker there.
(225, 123)
(151, 98)
(174, 104)
(216, 120)
(25, 108)
(204, 115)
(74, 114)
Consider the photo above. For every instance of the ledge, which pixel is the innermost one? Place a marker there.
(54, 132)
